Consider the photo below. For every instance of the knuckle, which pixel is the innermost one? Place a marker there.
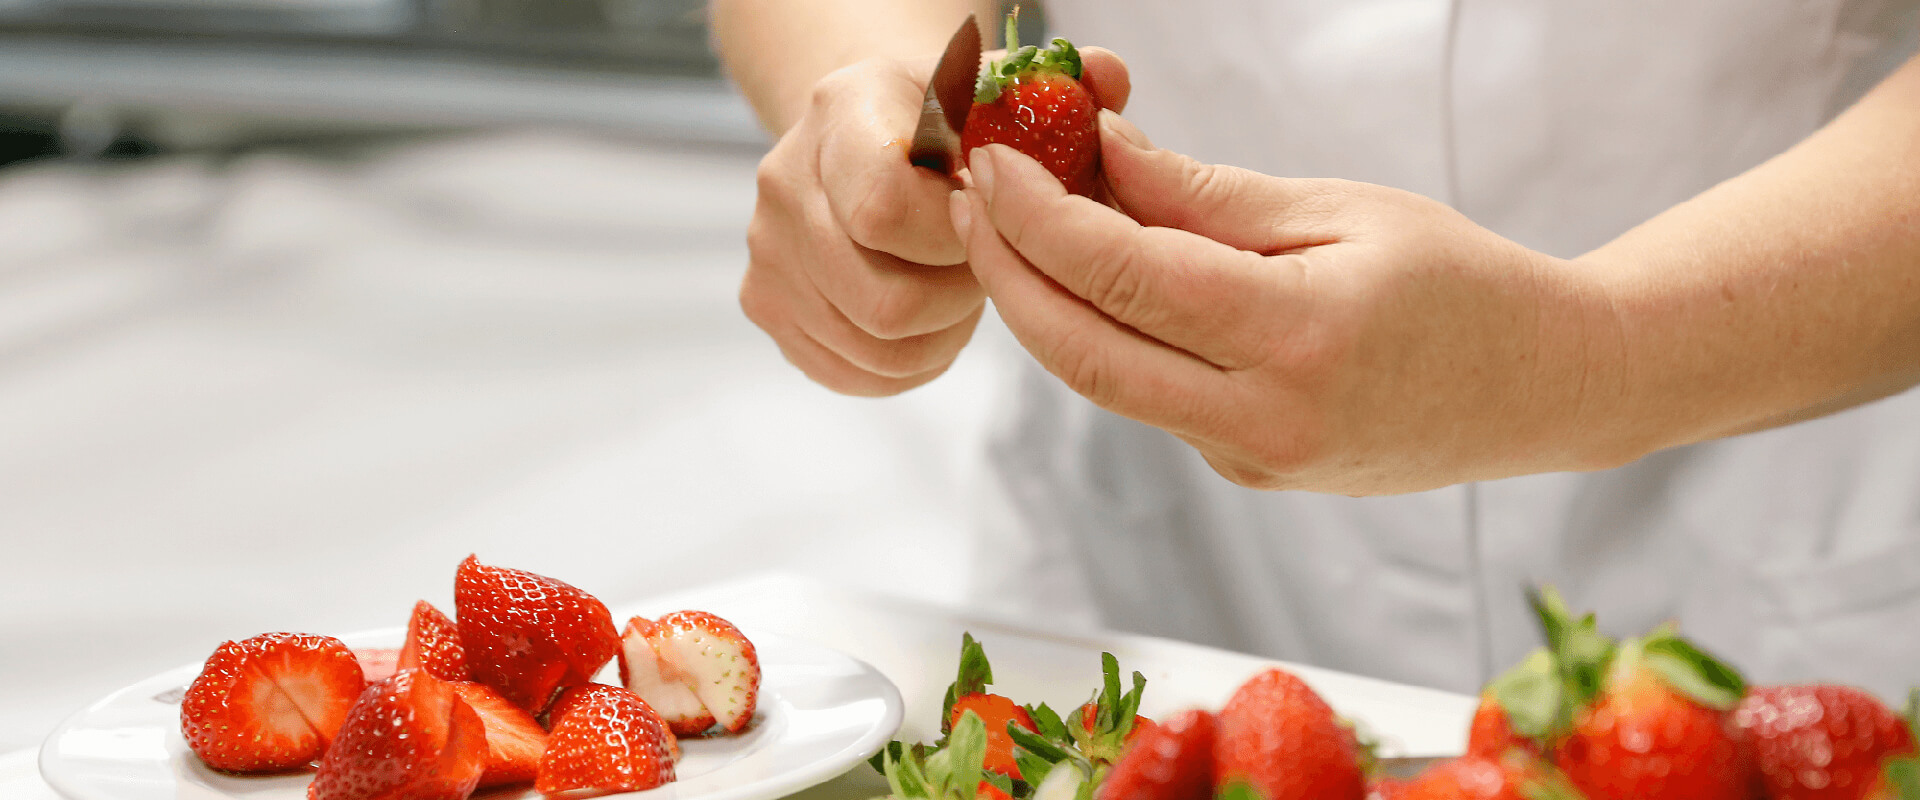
(1087, 370)
(891, 311)
(1115, 284)
(908, 357)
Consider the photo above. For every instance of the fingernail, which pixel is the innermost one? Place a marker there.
(960, 210)
(980, 162)
(1119, 126)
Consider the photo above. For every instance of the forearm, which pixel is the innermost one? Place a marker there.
(776, 50)
(1788, 292)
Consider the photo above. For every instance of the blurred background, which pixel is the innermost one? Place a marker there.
(302, 301)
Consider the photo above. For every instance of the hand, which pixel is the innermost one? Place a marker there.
(855, 270)
(1301, 334)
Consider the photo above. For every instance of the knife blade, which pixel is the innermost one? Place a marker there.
(943, 112)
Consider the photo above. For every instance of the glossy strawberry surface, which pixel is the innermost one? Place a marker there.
(1280, 738)
(606, 739)
(528, 636)
(409, 737)
(1167, 760)
(1051, 118)
(433, 644)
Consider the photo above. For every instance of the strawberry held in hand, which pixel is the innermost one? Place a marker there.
(1032, 100)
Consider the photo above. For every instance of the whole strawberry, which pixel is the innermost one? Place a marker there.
(1032, 100)
(1279, 739)
(1821, 742)
(1660, 728)
(1171, 760)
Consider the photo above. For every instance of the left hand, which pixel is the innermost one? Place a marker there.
(1301, 334)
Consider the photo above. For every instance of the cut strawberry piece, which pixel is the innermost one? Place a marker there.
(433, 644)
(269, 703)
(1278, 738)
(377, 663)
(409, 737)
(721, 663)
(605, 740)
(528, 636)
(659, 682)
(515, 739)
(1171, 760)
(997, 712)
(585, 692)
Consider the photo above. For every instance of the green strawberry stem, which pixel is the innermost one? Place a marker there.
(974, 676)
(1020, 63)
(1542, 696)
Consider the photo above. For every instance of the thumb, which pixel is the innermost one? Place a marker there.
(1239, 208)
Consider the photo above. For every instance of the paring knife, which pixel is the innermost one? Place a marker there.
(936, 140)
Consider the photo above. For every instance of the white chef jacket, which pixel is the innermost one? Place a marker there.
(1557, 123)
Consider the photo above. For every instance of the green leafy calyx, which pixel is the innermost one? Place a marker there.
(1024, 63)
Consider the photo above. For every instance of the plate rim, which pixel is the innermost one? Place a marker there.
(855, 751)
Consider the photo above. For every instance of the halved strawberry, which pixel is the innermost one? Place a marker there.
(409, 737)
(722, 664)
(515, 739)
(605, 739)
(1169, 760)
(659, 682)
(433, 644)
(529, 636)
(269, 703)
(575, 695)
(1279, 739)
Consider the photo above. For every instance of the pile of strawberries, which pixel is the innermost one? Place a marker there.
(1583, 718)
(500, 695)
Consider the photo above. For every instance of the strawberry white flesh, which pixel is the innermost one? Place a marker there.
(668, 690)
(721, 664)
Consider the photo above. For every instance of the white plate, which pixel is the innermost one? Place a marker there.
(821, 712)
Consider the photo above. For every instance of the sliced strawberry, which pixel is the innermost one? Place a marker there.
(722, 664)
(1170, 760)
(409, 737)
(1278, 738)
(377, 663)
(575, 695)
(529, 636)
(997, 712)
(269, 703)
(515, 739)
(433, 644)
(659, 682)
(605, 739)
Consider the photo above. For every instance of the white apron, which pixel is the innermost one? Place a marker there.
(1559, 124)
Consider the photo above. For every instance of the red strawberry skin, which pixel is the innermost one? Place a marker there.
(598, 692)
(606, 740)
(1279, 737)
(1475, 778)
(433, 644)
(1643, 741)
(409, 737)
(528, 636)
(515, 739)
(270, 703)
(1168, 760)
(996, 711)
(1491, 735)
(1051, 118)
(1820, 742)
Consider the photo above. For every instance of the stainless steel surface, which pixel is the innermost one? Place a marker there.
(943, 112)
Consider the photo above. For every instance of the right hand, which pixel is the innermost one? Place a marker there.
(854, 267)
